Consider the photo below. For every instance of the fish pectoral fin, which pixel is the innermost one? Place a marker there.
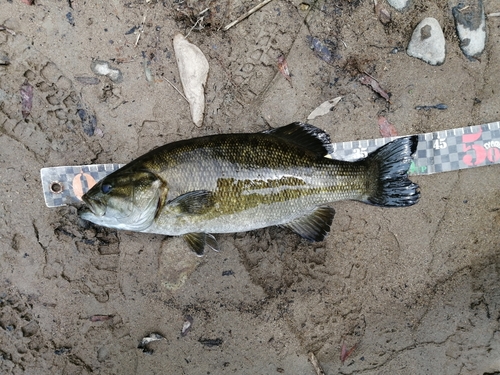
(193, 202)
(198, 241)
(315, 225)
(305, 135)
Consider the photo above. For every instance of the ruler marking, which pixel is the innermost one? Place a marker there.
(440, 151)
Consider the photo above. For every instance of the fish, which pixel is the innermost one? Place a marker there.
(228, 183)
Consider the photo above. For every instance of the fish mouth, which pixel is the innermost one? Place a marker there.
(94, 206)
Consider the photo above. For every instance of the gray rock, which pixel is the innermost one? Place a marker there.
(427, 42)
(103, 68)
(102, 353)
(399, 4)
(30, 329)
(471, 27)
(4, 59)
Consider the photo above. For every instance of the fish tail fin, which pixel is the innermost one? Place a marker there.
(389, 166)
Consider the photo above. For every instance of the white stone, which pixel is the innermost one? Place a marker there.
(193, 69)
(103, 68)
(427, 42)
(471, 27)
(399, 4)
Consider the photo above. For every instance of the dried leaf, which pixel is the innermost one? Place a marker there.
(324, 108)
(344, 353)
(188, 322)
(193, 69)
(283, 68)
(26, 98)
(373, 83)
(100, 318)
(386, 128)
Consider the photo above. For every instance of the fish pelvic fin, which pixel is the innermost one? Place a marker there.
(305, 135)
(313, 226)
(389, 166)
(198, 241)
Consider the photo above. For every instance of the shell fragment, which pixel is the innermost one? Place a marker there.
(193, 70)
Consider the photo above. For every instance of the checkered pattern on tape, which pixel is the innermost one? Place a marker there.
(440, 151)
(65, 177)
(355, 150)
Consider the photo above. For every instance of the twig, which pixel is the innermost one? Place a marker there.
(497, 14)
(251, 11)
(4, 28)
(141, 30)
(316, 365)
(198, 21)
(176, 89)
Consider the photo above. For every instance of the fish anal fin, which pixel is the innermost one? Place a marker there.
(305, 135)
(315, 225)
(193, 202)
(198, 241)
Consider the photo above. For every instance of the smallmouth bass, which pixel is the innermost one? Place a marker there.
(239, 182)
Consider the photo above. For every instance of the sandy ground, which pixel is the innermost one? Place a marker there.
(416, 290)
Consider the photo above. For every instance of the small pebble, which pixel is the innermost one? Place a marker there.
(103, 68)
(30, 329)
(89, 121)
(188, 322)
(427, 42)
(399, 4)
(147, 340)
(70, 18)
(132, 30)
(4, 59)
(304, 6)
(88, 80)
(325, 50)
(102, 354)
(471, 27)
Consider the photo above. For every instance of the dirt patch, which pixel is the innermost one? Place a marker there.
(415, 289)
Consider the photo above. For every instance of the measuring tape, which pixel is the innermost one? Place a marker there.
(442, 151)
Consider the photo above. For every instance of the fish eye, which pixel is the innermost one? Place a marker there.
(106, 188)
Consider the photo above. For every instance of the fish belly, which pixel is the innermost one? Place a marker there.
(245, 205)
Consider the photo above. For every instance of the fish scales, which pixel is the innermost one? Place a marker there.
(257, 180)
(239, 182)
(249, 196)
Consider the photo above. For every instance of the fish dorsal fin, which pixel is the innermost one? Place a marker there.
(315, 225)
(193, 202)
(305, 135)
(198, 241)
